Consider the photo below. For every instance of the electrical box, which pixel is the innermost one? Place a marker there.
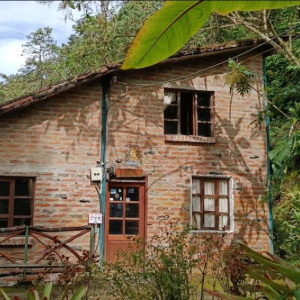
(95, 218)
(96, 174)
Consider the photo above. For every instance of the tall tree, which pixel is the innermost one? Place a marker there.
(41, 52)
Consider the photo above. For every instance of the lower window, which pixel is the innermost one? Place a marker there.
(16, 201)
(210, 203)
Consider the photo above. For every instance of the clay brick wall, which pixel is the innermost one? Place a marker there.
(136, 119)
(57, 141)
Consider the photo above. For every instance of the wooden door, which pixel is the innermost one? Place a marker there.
(125, 217)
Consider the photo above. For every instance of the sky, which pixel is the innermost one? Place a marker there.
(20, 18)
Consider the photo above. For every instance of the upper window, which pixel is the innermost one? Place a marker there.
(188, 113)
(16, 201)
(210, 206)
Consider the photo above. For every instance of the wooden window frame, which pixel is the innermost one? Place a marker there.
(195, 107)
(217, 197)
(10, 216)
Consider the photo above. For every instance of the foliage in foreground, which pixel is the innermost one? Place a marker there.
(33, 294)
(176, 265)
(155, 41)
(286, 215)
(277, 280)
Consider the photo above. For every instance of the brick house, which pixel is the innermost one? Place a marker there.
(170, 140)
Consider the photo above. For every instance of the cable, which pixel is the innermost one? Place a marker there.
(208, 68)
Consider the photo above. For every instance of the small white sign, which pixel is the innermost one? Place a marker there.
(95, 218)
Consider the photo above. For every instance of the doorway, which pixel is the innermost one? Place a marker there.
(125, 217)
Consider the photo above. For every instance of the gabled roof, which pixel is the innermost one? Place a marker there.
(55, 89)
(68, 84)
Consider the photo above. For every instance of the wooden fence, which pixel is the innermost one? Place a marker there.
(47, 242)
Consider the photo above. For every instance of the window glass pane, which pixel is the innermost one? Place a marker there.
(223, 187)
(203, 114)
(132, 194)
(115, 226)
(116, 210)
(209, 188)
(171, 127)
(209, 204)
(204, 129)
(203, 99)
(223, 205)
(132, 211)
(186, 113)
(196, 204)
(3, 223)
(131, 227)
(170, 98)
(209, 220)
(196, 186)
(4, 188)
(22, 207)
(23, 187)
(21, 221)
(116, 194)
(4, 207)
(196, 221)
(223, 222)
(170, 112)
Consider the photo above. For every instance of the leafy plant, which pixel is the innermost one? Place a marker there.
(239, 78)
(182, 19)
(161, 271)
(74, 274)
(277, 279)
(286, 214)
(176, 264)
(33, 294)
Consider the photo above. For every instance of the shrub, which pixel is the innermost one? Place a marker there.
(174, 265)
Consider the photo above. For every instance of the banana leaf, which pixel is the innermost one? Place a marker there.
(289, 272)
(167, 30)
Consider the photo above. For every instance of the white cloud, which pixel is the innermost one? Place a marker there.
(10, 55)
(20, 18)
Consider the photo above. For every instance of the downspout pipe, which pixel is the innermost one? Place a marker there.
(105, 83)
(271, 232)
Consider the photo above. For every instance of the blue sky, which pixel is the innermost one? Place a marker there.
(20, 18)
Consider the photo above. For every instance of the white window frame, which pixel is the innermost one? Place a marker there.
(231, 202)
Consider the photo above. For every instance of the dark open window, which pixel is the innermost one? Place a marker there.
(210, 203)
(16, 201)
(188, 113)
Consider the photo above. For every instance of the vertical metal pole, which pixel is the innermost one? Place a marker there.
(105, 88)
(26, 251)
(268, 166)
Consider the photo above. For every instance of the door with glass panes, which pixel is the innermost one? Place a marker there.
(125, 217)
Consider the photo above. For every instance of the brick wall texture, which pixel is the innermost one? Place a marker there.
(135, 119)
(58, 141)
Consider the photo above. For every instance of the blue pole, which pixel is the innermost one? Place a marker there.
(105, 87)
(268, 166)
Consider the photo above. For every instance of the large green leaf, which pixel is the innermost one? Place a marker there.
(32, 294)
(273, 286)
(291, 273)
(47, 291)
(80, 292)
(4, 295)
(167, 30)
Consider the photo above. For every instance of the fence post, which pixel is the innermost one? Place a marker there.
(92, 231)
(26, 251)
